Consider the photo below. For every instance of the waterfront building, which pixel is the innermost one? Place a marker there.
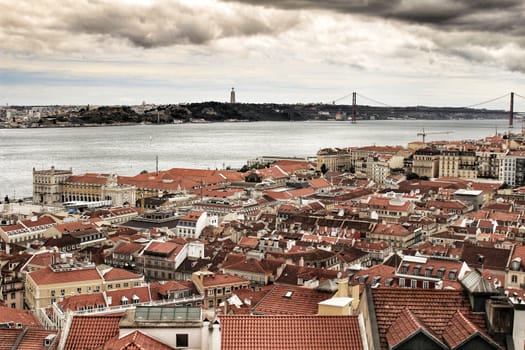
(48, 185)
(93, 187)
(334, 159)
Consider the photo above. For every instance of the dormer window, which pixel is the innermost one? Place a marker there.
(428, 271)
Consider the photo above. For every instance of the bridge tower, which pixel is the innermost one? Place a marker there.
(354, 102)
(511, 114)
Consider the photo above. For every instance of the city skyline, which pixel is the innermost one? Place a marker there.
(402, 53)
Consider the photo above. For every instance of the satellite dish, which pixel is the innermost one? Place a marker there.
(339, 274)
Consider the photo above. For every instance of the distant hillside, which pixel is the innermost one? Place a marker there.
(219, 112)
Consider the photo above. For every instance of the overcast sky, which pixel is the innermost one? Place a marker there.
(398, 52)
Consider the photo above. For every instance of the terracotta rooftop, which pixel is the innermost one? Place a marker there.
(460, 329)
(435, 308)
(135, 341)
(82, 301)
(405, 327)
(290, 300)
(218, 279)
(91, 332)
(27, 339)
(166, 248)
(290, 332)
(116, 274)
(48, 276)
(126, 248)
(23, 317)
(292, 274)
(128, 296)
(249, 242)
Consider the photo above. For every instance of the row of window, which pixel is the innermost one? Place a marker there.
(218, 291)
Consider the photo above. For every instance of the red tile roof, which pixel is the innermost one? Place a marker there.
(89, 178)
(460, 329)
(218, 279)
(48, 276)
(290, 300)
(116, 274)
(23, 317)
(91, 332)
(406, 326)
(117, 296)
(9, 337)
(29, 339)
(126, 248)
(168, 248)
(290, 332)
(76, 302)
(435, 308)
(249, 242)
(135, 341)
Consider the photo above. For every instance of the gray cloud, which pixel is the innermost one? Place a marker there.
(47, 25)
(474, 30)
(436, 12)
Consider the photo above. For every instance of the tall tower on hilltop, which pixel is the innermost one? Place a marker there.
(232, 96)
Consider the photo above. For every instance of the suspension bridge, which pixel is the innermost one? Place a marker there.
(509, 96)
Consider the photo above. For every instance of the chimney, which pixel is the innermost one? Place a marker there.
(342, 287)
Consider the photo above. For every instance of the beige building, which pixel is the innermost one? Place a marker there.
(48, 185)
(426, 162)
(334, 159)
(454, 163)
(215, 287)
(92, 187)
(52, 284)
(361, 157)
(64, 279)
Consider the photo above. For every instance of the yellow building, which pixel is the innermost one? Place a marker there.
(454, 163)
(53, 284)
(425, 162)
(48, 185)
(61, 280)
(334, 159)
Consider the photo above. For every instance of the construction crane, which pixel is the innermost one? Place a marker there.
(423, 133)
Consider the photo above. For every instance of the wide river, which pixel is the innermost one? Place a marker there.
(127, 150)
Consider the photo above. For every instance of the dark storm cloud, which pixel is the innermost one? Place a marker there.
(432, 12)
(474, 30)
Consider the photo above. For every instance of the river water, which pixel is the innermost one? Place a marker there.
(127, 150)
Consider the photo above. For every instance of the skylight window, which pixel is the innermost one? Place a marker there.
(288, 294)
